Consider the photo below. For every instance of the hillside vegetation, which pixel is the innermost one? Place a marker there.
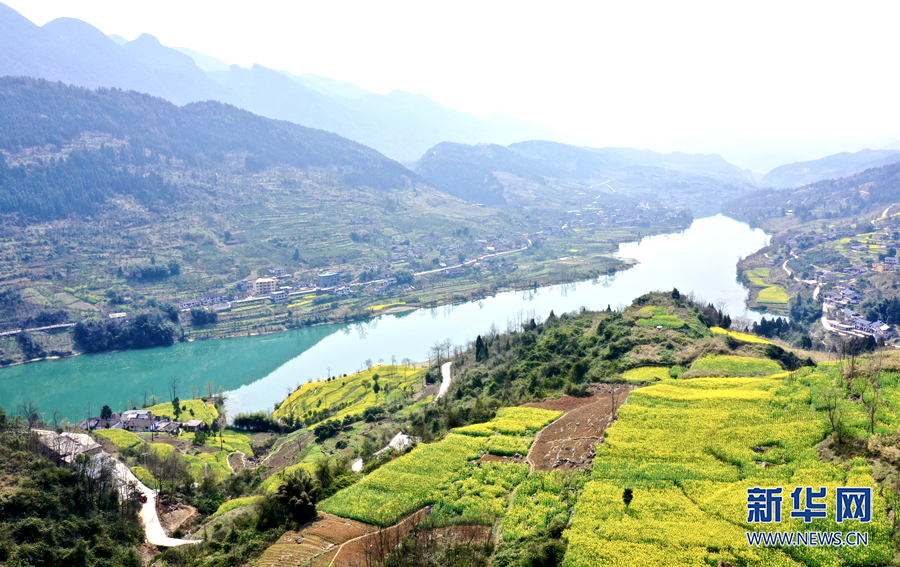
(717, 412)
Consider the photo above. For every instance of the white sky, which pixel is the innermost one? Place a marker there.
(799, 78)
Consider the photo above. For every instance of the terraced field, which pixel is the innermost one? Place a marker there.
(352, 394)
(423, 476)
(315, 545)
(747, 338)
(728, 365)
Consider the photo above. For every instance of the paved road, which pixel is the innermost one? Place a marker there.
(153, 529)
(445, 381)
(825, 322)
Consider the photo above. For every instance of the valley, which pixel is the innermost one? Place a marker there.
(255, 316)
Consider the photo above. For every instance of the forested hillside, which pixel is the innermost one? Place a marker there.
(828, 199)
(124, 135)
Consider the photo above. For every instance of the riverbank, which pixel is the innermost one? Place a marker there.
(257, 370)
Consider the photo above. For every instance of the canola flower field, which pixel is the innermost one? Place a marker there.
(443, 474)
(513, 421)
(646, 374)
(353, 394)
(542, 499)
(770, 293)
(190, 409)
(691, 449)
(745, 337)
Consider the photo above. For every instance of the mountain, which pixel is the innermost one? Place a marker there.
(205, 62)
(494, 174)
(183, 79)
(399, 124)
(868, 192)
(69, 149)
(844, 164)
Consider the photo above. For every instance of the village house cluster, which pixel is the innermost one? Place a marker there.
(840, 299)
(142, 420)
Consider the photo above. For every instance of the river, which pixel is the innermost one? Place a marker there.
(260, 371)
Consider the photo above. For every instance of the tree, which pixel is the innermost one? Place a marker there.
(627, 496)
(176, 407)
(481, 349)
(201, 316)
(106, 412)
(173, 385)
(210, 388)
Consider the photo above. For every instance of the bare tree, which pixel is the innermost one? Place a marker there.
(173, 385)
(873, 401)
(29, 413)
(614, 393)
(436, 350)
(210, 388)
(88, 410)
(195, 392)
(447, 344)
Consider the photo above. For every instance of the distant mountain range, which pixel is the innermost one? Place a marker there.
(479, 173)
(844, 164)
(869, 192)
(400, 125)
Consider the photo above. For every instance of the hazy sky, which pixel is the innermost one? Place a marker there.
(804, 78)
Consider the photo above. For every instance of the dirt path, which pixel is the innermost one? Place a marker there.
(240, 461)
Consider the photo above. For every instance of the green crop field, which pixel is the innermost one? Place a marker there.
(236, 503)
(353, 394)
(728, 365)
(740, 336)
(691, 449)
(658, 316)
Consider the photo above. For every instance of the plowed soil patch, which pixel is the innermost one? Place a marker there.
(314, 545)
(374, 547)
(569, 442)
